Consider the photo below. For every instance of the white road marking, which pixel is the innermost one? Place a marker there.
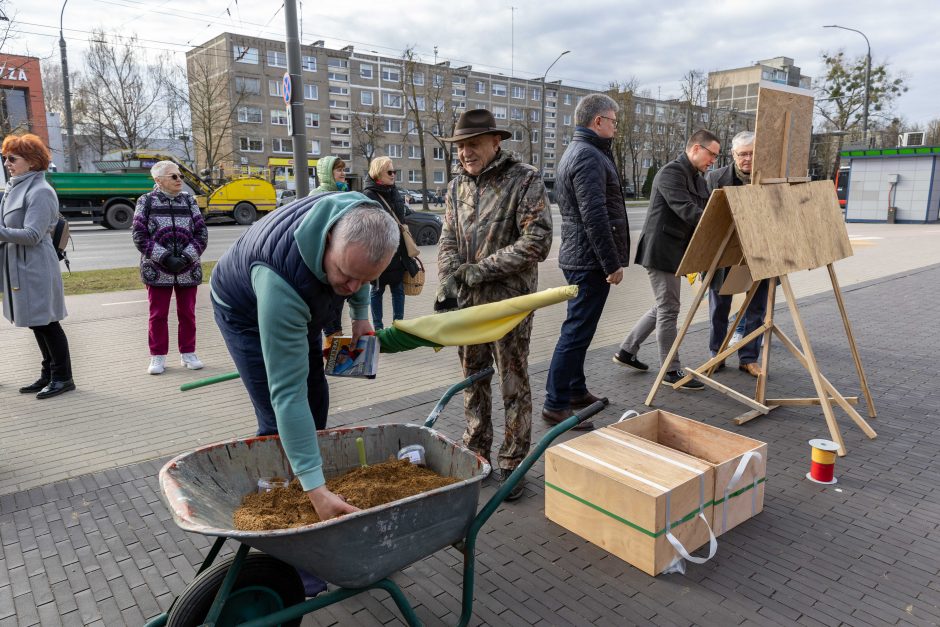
(126, 302)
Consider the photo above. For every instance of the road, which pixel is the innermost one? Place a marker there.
(97, 248)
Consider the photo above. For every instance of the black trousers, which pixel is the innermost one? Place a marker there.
(56, 362)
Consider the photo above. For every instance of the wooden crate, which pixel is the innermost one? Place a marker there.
(723, 450)
(618, 491)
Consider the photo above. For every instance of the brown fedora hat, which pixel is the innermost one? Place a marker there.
(476, 122)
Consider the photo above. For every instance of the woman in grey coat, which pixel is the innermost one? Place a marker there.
(29, 267)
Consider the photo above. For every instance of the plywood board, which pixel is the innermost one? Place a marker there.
(787, 228)
(707, 237)
(737, 281)
(782, 132)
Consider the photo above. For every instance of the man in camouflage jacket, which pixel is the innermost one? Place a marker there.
(497, 228)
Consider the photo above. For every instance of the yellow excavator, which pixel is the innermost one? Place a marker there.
(243, 198)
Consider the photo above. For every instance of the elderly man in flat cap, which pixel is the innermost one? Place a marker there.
(497, 228)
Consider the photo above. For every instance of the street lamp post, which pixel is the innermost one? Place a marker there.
(867, 79)
(67, 95)
(542, 115)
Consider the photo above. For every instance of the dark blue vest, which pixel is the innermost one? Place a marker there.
(271, 243)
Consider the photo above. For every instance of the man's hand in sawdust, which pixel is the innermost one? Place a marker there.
(329, 505)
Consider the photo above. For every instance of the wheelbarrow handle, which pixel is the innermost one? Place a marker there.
(457, 387)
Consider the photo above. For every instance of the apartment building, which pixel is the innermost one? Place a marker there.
(737, 88)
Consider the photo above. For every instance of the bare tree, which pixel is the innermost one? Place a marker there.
(415, 103)
(368, 132)
(175, 98)
(933, 133)
(118, 97)
(442, 116)
(52, 89)
(628, 141)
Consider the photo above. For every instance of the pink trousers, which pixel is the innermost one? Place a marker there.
(157, 332)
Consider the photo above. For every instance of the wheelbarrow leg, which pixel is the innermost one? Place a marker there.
(230, 577)
(213, 553)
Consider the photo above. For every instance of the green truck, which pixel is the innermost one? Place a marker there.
(108, 199)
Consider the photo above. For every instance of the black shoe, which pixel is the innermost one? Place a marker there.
(630, 361)
(501, 475)
(674, 375)
(55, 388)
(557, 416)
(587, 400)
(32, 388)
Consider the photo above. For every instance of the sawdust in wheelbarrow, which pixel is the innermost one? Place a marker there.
(369, 486)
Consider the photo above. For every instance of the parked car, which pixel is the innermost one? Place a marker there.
(285, 196)
(425, 227)
(412, 196)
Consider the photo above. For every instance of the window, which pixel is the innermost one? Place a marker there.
(311, 120)
(366, 98)
(365, 70)
(518, 91)
(567, 99)
(414, 152)
(534, 134)
(517, 135)
(480, 87)
(566, 120)
(393, 151)
(311, 92)
(336, 90)
(499, 112)
(248, 86)
(458, 91)
(418, 78)
(340, 143)
(419, 103)
(392, 74)
(391, 99)
(438, 153)
(339, 104)
(250, 115)
(439, 177)
(277, 58)
(639, 108)
(516, 113)
(282, 144)
(534, 115)
(647, 162)
(438, 80)
(251, 144)
(499, 89)
(438, 105)
(536, 93)
(414, 176)
(314, 147)
(412, 127)
(339, 117)
(309, 64)
(279, 117)
(459, 80)
(393, 126)
(275, 88)
(551, 93)
(244, 54)
(339, 64)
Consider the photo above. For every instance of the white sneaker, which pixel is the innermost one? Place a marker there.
(157, 364)
(191, 361)
(735, 339)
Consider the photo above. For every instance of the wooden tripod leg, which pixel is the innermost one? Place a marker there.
(737, 319)
(688, 319)
(812, 366)
(761, 393)
(862, 379)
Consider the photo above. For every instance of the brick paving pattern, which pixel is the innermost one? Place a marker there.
(101, 549)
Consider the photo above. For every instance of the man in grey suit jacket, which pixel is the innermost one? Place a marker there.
(678, 198)
(719, 306)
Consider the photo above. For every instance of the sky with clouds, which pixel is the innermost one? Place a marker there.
(655, 42)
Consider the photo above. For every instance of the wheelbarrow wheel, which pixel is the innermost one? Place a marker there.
(264, 586)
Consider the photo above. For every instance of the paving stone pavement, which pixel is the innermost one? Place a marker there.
(100, 549)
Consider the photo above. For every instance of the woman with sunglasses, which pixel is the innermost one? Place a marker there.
(381, 188)
(30, 277)
(171, 235)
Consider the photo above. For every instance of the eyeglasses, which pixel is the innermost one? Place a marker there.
(745, 155)
(11, 158)
(175, 177)
(614, 120)
(390, 172)
(711, 152)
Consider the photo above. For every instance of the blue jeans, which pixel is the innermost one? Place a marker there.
(719, 307)
(566, 373)
(244, 345)
(398, 302)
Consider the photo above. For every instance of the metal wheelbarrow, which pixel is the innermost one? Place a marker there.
(357, 552)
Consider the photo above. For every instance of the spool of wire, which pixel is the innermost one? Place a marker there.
(823, 464)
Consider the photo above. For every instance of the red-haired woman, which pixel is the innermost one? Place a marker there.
(30, 276)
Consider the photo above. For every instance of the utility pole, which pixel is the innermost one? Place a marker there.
(67, 95)
(542, 115)
(294, 98)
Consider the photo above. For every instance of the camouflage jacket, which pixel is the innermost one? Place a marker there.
(501, 221)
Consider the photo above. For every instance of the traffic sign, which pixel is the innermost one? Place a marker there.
(287, 87)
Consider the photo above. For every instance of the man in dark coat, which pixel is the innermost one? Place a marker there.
(678, 198)
(595, 247)
(719, 306)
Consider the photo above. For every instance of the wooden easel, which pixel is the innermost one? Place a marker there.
(777, 225)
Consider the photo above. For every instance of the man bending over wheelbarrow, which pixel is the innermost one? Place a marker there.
(273, 291)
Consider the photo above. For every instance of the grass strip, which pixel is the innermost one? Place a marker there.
(111, 280)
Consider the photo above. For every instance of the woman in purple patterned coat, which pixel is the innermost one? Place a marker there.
(170, 234)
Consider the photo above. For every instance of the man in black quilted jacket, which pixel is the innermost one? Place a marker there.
(595, 247)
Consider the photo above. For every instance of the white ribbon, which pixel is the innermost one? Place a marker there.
(674, 541)
(739, 471)
(628, 414)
